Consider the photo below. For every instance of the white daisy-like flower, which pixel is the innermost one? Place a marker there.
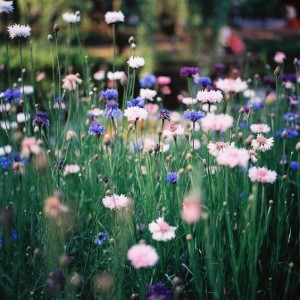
(261, 143)
(215, 148)
(173, 131)
(175, 116)
(136, 62)
(5, 150)
(147, 94)
(112, 17)
(116, 202)
(249, 93)
(99, 75)
(260, 128)
(135, 113)
(20, 31)
(71, 18)
(27, 90)
(6, 7)
(115, 75)
(210, 96)
(229, 85)
(161, 230)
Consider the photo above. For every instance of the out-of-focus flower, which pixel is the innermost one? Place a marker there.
(148, 81)
(291, 116)
(99, 75)
(191, 209)
(163, 80)
(96, 129)
(261, 143)
(189, 71)
(53, 208)
(279, 57)
(59, 103)
(70, 135)
(27, 90)
(71, 18)
(19, 31)
(287, 132)
(112, 17)
(173, 131)
(229, 85)
(109, 94)
(40, 119)
(262, 175)
(22, 118)
(112, 110)
(14, 94)
(116, 202)
(5, 150)
(215, 148)
(161, 230)
(71, 169)
(117, 75)
(218, 123)
(147, 94)
(6, 6)
(135, 113)
(136, 62)
(172, 177)
(56, 281)
(188, 100)
(194, 115)
(209, 96)
(29, 145)
(159, 292)
(139, 102)
(164, 114)
(142, 256)
(233, 157)
(70, 82)
(203, 80)
(40, 76)
(151, 108)
(260, 128)
(209, 107)
(101, 238)
(295, 165)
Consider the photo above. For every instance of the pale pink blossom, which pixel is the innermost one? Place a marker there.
(71, 169)
(116, 202)
(210, 96)
(5, 107)
(205, 107)
(165, 90)
(174, 131)
(279, 57)
(151, 108)
(213, 122)
(196, 143)
(191, 209)
(233, 157)
(148, 94)
(263, 175)
(135, 113)
(260, 128)
(175, 116)
(188, 100)
(29, 146)
(99, 75)
(161, 230)
(163, 80)
(261, 143)
(142, 256)
(216, 148)
(70, 82)
(229, 85)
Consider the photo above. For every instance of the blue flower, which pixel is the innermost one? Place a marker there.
(148, 81)
(194, 115)
(40, 119)
(172, 177)
(12, 94)
(112, 110)
(159, 291)
(164, 114)
(290, 116)
(189, 71)
(109, 94)
(203, 80)
(13, 237)
(7, 161)
(96, 129)
(139, 102)
(295, 165)
(91, 117)
(101, 238)
(289, 131)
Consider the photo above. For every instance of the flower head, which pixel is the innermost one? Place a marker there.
(260, 128)
(194, 115)
(71, 18)
(20, 31)
(96, 129)
(189, 71)
(136, 62)
(112, 17)
(163, 80)
(53, 207)
(29, 145)
(112, 110)
(173, 131)
(218, 123)
(215, 148)
(109, 94)
(116, 202)
(191, 209)
(40, 119)
(290, 116)
(203, 80)
(172, 177)
(148, 81)
(164, 114)
(159, 292)
(117, 75)
(233, 157)
(70, 82)
(147, 94)
(6, 6)
(210, 96)
(142, 256)
(139, 102)
(101, 238)
(229, 85)
(12, 94)
(261, 143)
(135, 113)
(71, 169)
(279, 57)
(262, 175)
(161, 230)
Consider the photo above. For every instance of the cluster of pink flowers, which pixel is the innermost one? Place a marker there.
(214, 122)
(209, 96)
(229, 85)
(263, 175)
(233, 157)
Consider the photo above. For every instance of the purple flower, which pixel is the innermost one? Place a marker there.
(203, 80)
(56, 281)
(148, 81)
(96, 129)
(290, 132)
(139, 102)
(12, 94)
(164, 114)
(112, 110)
(101, 238)
(159, 292)
(109, 94)
(295, 165)
(172, 177)
(219, 67)
(40, 119)
(189, 71)
(290, 116)
(194, 115)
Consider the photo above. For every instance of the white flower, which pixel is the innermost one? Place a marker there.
(135, 113)
(115, 76)
(260, 128)
(116, 201)
(147, 94)
(99, 75)
(161, 230)
(21, 118)
(188, 100)
(71, 18)
(5, 150)
(114, 17)
(229, 85)
(71, 169)
(70, 82)
(209, 96)
(261, 143)
(205, 107)
(215, 148)
(19, 31)
(173, 131)
(135, 62)
(6, 126)
(28, 90)
(6, 6)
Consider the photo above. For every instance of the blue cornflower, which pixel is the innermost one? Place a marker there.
(101, 238)
(148, 81)
(109, 94)
(40, 119)
(295, 165)
(96, 129)
(164, 114)
(172, 177)
(5, 163)
(203, 80)
(258, 105)
(112, 110)
(189, 71)
(290, 132)
(91, 117)
(12, 94)
(13, 237)
(139, 102)
(159, 291)
(194, 115)
(243, 125)
(290, 116)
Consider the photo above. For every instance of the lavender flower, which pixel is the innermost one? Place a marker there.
(148, 81)
(219, 67)
(290, 132)
(164, 114)
(172, 177)
(139, 102)
(290, 116)
(189, 71)
(96, 129)
(11, 94)
(112, 110)
(109, 94)
(40, 119)
(101, 238)
(159, 291)
(194, 115)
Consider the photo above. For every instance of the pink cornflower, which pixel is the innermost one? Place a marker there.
(173, 131)
(260, 128)
(261, 143)
(116, 202)
(229, 85)
(142, 256)
(71, 169)
(210, 96)
(161, 230)
(218, 123)
(233, 157)
(263, 175)
(163, 80)
(151, 108)
(279, 57)
(70, 82)
(215, 148)
(29, 146)
(191, 209)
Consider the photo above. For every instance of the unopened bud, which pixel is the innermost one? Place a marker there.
(56, 28)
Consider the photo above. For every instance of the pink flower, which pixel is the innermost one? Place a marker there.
(261, 143)
(215, 148)
(163, 80)
(279, 57)
(142, 256)
(116, 202)
(161, 230)
(151, 108)
(229, 85)
(165, 90)
(70, 82)
(233, 157)
(260, 128)
(262, 175)
(173, 131)
(214, 122)
(29, 145)
(71, 169)
(191, 209)
(209, 96)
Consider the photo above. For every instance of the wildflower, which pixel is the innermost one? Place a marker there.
(112, 110)
(96, 129)
(159, 292)
(260, 128)
(53, 207)
(13, 237)
(71, 18)
(173, 131)
(9, 94)
(188, 100)
(218, 123)
(109, 94)
(279, 57)
(71, 169)
(228, 85)
(163, 80)
(288, 132)
(20, 31)
(151, 108)
(209, 96)
(5, 150)
(99, 75)
(136, 62)
(209, 107)
(191, 209)
(142, 256)
(194, 115)
(56, 281)
(139, 102)
(262, 175)
(59, 103)
(290, 116)
(29, 145)
(261, 143)
(117, 75)
(172, 177)
(6, 6)
(116, 202)
(40, 119)
(21, 118)
(70, 82)
(233, 157)
(219, 67)
(164, 114)
(295, 165)
(135, 113)
(161, 230)
(147, 94)
(148, 81)
(215, 148)
(27, 90)
(101, 238)
(112, 17)
(203, 80)
(189, 71)
(70, 135)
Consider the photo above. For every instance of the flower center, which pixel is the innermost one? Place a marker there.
(163, 226)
